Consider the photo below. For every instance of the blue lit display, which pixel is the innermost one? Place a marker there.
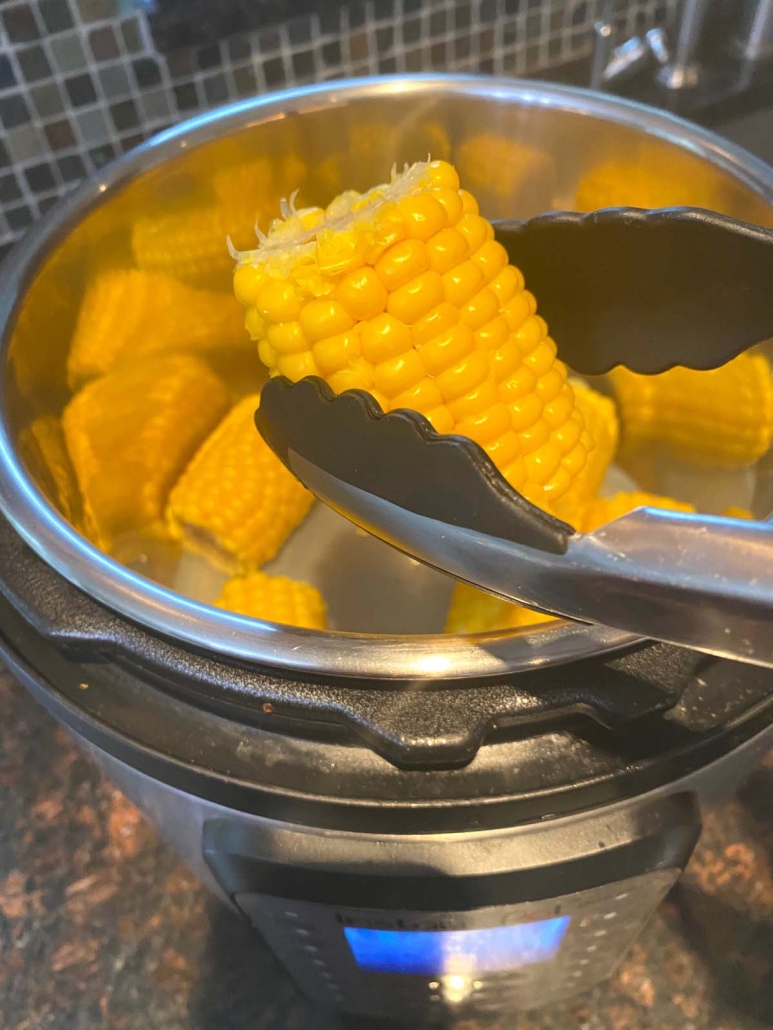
(456, 952)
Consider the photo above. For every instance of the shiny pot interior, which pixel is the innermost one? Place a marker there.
(389, 609)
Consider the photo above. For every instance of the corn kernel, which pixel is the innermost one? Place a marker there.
(401, 263)
(424, 216)
(361, 294)
(322, 318)
(417, 298)
(446, 249)
(384, 337)
(436, 322)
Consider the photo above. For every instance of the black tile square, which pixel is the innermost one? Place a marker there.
(554, 49)
(486, 41)
(580, 13)
(303, 64)
(330, 19)
(533, 26)
(384, 9)
(437, 55)
(56, 15)
(47, 99)
(356, 15)
(486, 66)
(40, 178)
(532, 56)
(511, 6)
(130, 142)
(19, 217)
(556, 21)
(146, 72)
(331, 53)
(180, 64)
(269, 42)
(488, 10)
(385, 39)
(33, 63)
(60, 134)
(185, 95)
(411, 5)
(239, 48)
(509, 33)
(7, 78)
(462, 46)
(208, 57)
(80, 90)
(104, 45)
(463, 16)
(20, 24)
(5, 159)
(412, 30)
(102, 154)
(71, 167)
(413, 61)
(124, 115)
(246, 83)
(216, 89)
(97, 10)
(299, 31)
(274, 72)
(13, 110)
(132, 38)
(5, 250)
(358, 46)
(437, 23)
(9, 189)
(45, 203)
(387, 65)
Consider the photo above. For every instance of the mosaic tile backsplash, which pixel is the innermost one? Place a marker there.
(82, 81)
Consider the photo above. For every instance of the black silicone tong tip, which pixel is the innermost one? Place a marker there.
(646, 289)
(399, 458)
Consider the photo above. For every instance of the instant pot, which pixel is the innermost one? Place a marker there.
(420, 825)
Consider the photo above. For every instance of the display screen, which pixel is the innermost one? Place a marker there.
(456, 952)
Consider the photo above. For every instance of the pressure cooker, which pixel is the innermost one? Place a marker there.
(421, 825)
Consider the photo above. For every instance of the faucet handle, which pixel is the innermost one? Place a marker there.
(614, 65)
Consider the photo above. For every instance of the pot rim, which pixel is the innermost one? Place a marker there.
(349, 655)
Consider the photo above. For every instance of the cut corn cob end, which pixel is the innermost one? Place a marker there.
(722, 418)
(403, 292)
(274, 599)
(236, 504)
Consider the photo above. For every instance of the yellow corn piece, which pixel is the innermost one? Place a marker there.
(274, 599)
(44, 451)
(126, 312)
(404, 292)
(734, 512)
(649, 181)
(717, 419)
(474, 611)
(602, 424)
(190, 240)
(236, 503)
(132, 432)
(500, 166)
(607, 509)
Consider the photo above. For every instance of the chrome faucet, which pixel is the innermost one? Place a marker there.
(614, 63)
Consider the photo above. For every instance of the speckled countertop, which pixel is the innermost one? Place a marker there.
(102, 927)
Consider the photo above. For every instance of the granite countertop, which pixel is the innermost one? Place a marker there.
(102, 927)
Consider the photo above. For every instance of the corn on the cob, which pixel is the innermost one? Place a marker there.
(602, 424)
(189, 241)
(607, 509)
(131, 433)
(404, 292)
(44, 451)
(503, 167)
(274, 599)
(652, 181)
(474, 611)
(126, 312)
(236, 503)
(718, 419)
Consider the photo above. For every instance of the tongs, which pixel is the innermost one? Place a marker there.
(646, 289)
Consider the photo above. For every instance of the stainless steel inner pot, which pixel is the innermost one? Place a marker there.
(390, 120)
